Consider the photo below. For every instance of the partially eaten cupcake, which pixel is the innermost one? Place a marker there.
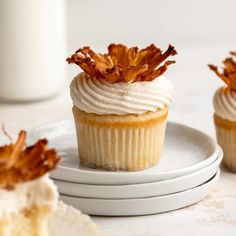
(225, 111)
(27, 196)
(121, 105)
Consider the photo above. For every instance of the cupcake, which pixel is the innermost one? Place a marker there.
(225, 111)
(120, 106)
(28, 198)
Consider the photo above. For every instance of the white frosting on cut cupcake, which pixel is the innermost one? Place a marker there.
(38, 192)
(225, 103)
(101, 97)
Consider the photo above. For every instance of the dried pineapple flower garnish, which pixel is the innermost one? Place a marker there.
(19, 163)
(229, 71)
(123, 64)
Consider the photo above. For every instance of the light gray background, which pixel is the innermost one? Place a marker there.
(203, 32)
(139, 22)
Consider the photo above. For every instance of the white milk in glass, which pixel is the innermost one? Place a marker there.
(32, 49)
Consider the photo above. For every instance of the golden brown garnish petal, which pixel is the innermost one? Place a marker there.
(119, 54)
(123, 64)
(221, 75)
(161, 70)
(132, 73)
(102, 60)
(19, 163)
(162, 57)
(145, 55)
(229, 71)
(112, 75)
(17, 150)
(233, 53)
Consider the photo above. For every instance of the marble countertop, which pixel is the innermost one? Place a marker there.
(195, 86)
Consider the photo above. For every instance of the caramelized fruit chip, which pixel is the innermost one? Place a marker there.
(19, 163)
(228, 75)
(123, 64)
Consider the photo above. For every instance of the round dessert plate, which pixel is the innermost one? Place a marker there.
(141, 190)
(142, 206)
(71, 222)
(186, 150)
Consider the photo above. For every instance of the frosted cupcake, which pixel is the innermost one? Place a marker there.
(28, 198)
(120, 106)
(225, 111)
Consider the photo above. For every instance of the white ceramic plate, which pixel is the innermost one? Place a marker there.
(186, 150)
(140, 190)
(142, 206)
(67, 221)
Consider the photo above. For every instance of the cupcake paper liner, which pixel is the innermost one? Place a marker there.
(110, 145)
(226, 137)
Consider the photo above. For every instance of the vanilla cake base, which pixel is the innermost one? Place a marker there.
(26, 209)
(29, 222)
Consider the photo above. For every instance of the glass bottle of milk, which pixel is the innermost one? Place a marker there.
(32, 49)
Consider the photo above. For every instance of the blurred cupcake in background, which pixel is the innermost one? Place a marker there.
(225, 111)
(120, 106)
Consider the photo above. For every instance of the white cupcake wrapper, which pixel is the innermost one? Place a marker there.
(227, 140)
(120, 148)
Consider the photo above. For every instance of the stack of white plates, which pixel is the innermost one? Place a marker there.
(187, 172)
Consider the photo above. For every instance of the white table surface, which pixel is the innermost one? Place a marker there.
(195, 85)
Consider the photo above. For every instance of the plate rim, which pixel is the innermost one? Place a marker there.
(137, 207)
(142, 186)
(214, 177)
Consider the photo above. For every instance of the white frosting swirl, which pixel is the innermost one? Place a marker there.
(225, 103)
(101, 97)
